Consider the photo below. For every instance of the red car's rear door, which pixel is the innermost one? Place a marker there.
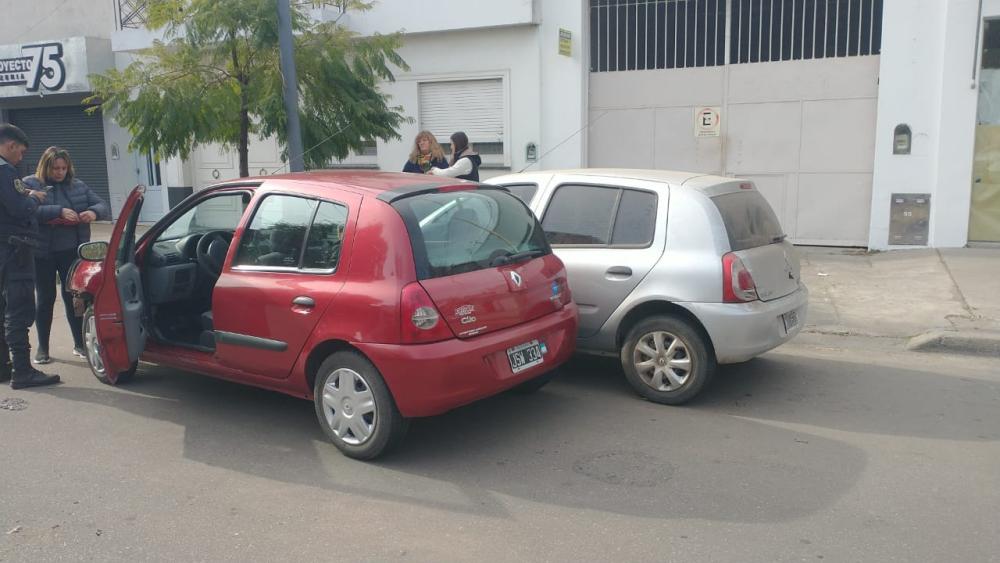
(285, 271)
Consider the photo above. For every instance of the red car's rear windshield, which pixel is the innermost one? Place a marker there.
(454, 232)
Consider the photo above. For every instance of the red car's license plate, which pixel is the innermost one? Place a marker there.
(524, 356)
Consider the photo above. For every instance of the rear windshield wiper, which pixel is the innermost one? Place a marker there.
(516, 257)
(778, 238)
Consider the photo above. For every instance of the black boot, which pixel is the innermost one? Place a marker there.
(4, 372)
(31, 378)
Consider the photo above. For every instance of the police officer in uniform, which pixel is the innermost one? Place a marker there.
(18, 232)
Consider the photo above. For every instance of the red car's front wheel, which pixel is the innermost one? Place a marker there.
(92, 346)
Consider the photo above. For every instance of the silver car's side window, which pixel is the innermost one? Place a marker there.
(585, 215)
(523, 192)
(635, 220)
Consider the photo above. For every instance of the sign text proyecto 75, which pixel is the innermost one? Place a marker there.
(39, 66)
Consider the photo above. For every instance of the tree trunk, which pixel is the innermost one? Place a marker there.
(244, 145)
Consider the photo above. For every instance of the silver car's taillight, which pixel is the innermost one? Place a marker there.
(737, 283)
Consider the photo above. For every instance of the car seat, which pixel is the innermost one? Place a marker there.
(284, 247)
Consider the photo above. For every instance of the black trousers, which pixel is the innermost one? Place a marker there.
(47, 267)
(17, 299)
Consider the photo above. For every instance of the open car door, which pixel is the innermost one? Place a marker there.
(118, 304)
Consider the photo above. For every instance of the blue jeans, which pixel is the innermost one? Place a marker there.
(47, 267)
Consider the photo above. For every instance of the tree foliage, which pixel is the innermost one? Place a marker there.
(215, 77)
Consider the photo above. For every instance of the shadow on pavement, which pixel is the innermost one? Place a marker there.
(858, 397)
(587, 441)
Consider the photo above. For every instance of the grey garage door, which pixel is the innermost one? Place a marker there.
(71, 128)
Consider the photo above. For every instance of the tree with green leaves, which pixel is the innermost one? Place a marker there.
(215, 77)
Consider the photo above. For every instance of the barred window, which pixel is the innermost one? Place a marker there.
(782, 30)
(653, 34)
(658, 34)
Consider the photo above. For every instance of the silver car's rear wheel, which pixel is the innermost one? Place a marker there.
(662, 361)
(355, 408)
(667, 359)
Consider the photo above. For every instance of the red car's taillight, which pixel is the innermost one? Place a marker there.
(420, 320)
(737, 283)
(561, 295)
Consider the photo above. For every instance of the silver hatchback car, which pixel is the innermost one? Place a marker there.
(673, 272)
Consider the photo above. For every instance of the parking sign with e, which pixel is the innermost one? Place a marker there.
(707, 121)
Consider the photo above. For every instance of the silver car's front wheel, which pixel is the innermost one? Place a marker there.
(667, 359)
(355, 408)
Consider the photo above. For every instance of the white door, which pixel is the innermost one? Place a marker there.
(155, 201)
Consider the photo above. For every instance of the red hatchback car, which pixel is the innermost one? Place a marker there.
(379, 296)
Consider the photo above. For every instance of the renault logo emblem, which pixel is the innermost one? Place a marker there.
(516, 278)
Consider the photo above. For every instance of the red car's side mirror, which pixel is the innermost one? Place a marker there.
(93, 251)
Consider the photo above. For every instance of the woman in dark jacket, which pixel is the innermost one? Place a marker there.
(64, 219)
(464, 161)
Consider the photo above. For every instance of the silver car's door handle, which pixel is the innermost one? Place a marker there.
(619, 271)
(304, 301)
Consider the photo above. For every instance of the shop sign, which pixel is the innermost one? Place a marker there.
(39, 66)
(44, 67)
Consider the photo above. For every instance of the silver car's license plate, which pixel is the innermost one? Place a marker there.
(791, 320)
(524, 356)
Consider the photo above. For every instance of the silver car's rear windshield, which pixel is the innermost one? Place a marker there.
(462, 231)
(750, 221)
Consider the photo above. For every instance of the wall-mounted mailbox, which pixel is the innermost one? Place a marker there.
(902, 139)
(909, 218)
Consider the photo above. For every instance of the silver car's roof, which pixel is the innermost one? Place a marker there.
(695, 180)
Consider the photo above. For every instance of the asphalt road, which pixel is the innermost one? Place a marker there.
(828, 449)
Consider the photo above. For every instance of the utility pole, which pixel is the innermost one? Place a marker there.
(296, 163)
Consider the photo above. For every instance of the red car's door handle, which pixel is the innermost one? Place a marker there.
(303, 301)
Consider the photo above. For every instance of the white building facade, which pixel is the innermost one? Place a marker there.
(864, 122)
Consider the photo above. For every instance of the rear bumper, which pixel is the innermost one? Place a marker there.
(741, 331)
(430, 379)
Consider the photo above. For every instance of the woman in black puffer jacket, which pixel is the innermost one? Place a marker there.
(64, 219)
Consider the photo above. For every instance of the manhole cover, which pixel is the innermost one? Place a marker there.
(13, 404)
(633, 469)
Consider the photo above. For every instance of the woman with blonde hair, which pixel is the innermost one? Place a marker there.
(64, 218)
(426, 154)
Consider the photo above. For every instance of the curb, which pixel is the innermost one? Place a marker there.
(977, 343)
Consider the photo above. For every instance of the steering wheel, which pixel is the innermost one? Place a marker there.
(211, 252)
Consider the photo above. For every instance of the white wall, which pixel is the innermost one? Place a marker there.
(37, 20)
(564, 82)
(928, 54)
(122, 172)
(390, 16)
(510, 53)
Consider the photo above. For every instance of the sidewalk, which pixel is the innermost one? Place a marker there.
(942, 299)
